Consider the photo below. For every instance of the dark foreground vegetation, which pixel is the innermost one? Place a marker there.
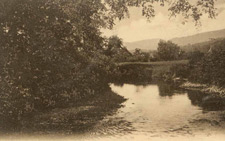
(52, 56)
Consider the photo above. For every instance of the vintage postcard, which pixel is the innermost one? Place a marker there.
(112, 70)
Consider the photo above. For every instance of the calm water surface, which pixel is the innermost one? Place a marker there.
(162, 113)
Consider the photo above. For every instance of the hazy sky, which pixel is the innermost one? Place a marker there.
(138, 28)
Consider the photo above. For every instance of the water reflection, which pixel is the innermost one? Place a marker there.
(150, 111)
(157, 109)
(206, 101)
(165, 89)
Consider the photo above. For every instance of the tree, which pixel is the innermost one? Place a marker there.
(139, 55)
(116, 50)
(114, 45)
(52, 54)
(168, 51)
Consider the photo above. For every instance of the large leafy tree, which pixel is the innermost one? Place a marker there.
(51, 54)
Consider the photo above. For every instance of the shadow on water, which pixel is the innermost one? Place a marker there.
(131, 74)
(169, 89)
(78, 119)
(208, 102)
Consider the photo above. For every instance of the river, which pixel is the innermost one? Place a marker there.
(153, 112)
(161, 112)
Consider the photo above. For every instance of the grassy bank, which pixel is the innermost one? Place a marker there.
(210, 89)
(162, 70)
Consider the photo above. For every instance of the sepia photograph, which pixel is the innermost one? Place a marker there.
(112, 70)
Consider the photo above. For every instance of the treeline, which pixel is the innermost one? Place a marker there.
(205, 67)
(206, 60)
(209, 67)
(166, 51)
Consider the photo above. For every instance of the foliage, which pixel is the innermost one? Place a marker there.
(141, 56)
(210, 69)
(181, 70)
(133, 74)
(168, 51)
(49, 60)
(206, 68)
(195, 56)
(188, 9)
(116, 50)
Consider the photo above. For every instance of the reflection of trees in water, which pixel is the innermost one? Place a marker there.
(165, 89)
(206, 101)
(133, 75)
(196, 97)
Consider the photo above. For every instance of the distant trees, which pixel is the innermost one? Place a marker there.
(206, 68)
(194, 56)
(116, 50)
(167, 51)
(210, 67)
(141, 56)
(115, 44)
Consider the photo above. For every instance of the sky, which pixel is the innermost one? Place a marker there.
(136, 27)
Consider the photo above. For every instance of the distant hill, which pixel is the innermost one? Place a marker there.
(152, 44)
(199, 38)
(203, 46)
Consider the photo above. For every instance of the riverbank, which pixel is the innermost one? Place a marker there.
(77, 118)
(177, 73)
(209, 89)
(147, 71)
